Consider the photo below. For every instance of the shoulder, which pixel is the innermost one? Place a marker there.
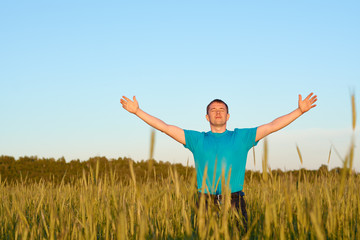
(193, 138)
(192, 133)
(245, 129)
(247, 135)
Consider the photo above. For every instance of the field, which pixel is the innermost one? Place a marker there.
(325, 205)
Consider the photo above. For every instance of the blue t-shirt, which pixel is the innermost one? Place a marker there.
(220, 152)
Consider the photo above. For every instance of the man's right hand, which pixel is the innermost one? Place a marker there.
(128, 105)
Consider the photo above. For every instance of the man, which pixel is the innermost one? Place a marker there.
(221, 153)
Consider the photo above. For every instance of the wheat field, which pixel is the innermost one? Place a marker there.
(323, 206)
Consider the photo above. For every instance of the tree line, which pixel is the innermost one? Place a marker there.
(29, 169)
(33, 169)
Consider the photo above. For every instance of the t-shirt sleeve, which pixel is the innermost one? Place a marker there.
(191, 139)
(248, 136)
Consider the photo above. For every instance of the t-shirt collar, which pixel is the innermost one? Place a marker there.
(218, 134)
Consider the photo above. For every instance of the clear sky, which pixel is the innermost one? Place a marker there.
(64, 66)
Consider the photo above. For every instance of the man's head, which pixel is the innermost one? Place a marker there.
(217, 114)
(218, 101)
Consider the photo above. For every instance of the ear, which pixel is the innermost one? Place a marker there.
(227, 117)
(207, 118)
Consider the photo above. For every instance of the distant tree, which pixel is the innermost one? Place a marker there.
(6, 159)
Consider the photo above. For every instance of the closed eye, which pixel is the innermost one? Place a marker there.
(220, 109)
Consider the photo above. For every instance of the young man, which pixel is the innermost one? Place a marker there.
(220, 151)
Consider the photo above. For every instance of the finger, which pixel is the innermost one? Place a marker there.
(313, 106)
(134, 98)
(300, 98)
(127, 99)
(314, 98)
(309, 96)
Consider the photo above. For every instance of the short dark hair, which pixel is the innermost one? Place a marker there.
(218, 101)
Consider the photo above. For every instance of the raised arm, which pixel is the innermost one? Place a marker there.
(172, 131)
(281, 122)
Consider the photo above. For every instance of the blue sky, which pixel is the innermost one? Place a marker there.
(65, 66)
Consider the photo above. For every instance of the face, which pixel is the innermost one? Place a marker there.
(217, 115)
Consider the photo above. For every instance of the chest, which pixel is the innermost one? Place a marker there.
(221, 145)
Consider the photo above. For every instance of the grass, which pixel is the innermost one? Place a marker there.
(282, 207)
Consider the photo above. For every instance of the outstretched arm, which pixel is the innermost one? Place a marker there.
(173, 131)
(281, 122)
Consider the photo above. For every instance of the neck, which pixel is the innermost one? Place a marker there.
(218, 129)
